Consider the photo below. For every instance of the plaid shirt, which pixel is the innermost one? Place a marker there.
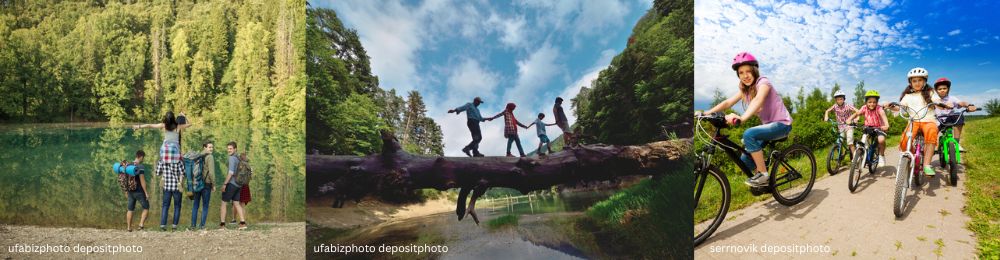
(509, 123)
(171, 173)
(842, 113)
(170, 152)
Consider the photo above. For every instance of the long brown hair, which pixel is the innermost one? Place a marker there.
(749, 91)
(925, 92)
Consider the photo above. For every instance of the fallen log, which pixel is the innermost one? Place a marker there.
(354, 177)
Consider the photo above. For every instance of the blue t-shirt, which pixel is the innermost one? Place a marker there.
(233, 163)
(540, 126)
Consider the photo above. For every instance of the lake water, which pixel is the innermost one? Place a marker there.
(60, 174)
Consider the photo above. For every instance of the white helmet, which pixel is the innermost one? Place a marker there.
(839, 93)
(917, 72)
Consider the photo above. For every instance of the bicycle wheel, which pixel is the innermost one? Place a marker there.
(792, 175)
(873, 160)
(902, 178)
(856, 167)
(711, 200)
(832, 162)
(952, 163)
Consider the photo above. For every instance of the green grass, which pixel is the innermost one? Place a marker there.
(509, 220)
(982, 141)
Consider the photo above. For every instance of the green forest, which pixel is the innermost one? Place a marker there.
(221, 62)
(347, 106)
(644, 95)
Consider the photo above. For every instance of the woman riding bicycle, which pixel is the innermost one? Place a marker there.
(759, 98)
(916, 96)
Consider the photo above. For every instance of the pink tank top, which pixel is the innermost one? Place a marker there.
(872, 117)
(773, 110)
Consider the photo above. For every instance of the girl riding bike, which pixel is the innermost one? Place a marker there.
(916, 95)
(759, 98)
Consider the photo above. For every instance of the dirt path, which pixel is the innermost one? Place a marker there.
(841, 224)
(263, 241)
(369, 211)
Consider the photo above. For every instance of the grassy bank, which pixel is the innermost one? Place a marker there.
(982, 140)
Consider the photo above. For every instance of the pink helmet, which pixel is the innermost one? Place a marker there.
(744, 58)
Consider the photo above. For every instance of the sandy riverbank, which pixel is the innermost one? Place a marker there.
(369, 212)
(264, 241)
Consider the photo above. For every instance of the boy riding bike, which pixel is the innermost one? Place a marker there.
(842, 111)
(874, 117)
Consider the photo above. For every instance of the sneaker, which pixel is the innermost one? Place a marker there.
(757, 180)
(960, 149)
(929, 171)
(478, 155)
(881, 161)
(510, 155)
(466, 151)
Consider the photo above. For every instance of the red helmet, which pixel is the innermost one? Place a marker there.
(944, 81)
(744, 58)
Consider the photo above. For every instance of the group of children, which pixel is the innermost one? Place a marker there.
(510, 127)
(916, 95)
(171, 170)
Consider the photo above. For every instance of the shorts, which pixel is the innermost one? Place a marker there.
(847, 134)
(231, 193)
(929, 129)
(543, 139)
(139, 196)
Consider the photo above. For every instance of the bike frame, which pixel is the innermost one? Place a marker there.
(868, 143)
(911, 144)
(947, 135)
(734, 151)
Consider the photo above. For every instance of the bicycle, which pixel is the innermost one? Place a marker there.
(907, 171)
(950, 156)
(796, 162)
(865, 156)
(839, 151)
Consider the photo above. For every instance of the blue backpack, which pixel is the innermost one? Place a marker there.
(194, 163)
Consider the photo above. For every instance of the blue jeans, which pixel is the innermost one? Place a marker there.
(203, 197)
(754, 138)
(516, 140)
(167, 196)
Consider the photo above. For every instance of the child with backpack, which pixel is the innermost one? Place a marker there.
(510, 128)
(542, 138)
(231, 192)
(135, 191)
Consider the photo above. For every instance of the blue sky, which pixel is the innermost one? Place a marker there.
(526, 52)
(817, 43)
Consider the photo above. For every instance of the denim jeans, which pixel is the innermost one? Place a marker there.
(754, 138)
(167, 196)
(202, 197)
(516, 140)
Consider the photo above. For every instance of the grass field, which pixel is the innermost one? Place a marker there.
(982, 142)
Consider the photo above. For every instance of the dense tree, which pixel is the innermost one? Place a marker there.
(133, 60)
(346, 107)
(648, 87)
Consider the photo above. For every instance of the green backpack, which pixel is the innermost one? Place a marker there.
(243, 171)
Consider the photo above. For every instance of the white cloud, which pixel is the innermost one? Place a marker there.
(954, 32)
(511, 30)
(797, 44)
(533, 73)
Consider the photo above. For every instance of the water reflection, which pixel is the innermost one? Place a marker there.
(60, 174)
